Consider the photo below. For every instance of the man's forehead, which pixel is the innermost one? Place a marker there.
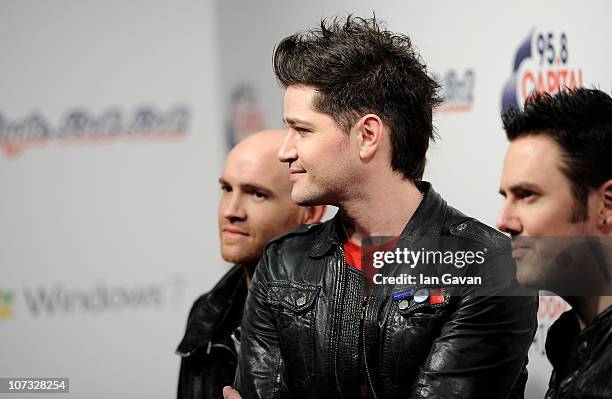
(299, 110)
(298, 100)
(255, 169)
(300, 91)
(247, 181)
(530, 159)
(533, 148)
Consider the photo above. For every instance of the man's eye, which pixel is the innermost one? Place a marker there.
(301, 130)
(525, 194)
(226, 189)
(259, 194)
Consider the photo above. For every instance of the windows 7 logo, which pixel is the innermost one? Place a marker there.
(6, 304)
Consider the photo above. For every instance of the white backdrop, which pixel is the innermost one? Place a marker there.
(114, 121)
(106, 239)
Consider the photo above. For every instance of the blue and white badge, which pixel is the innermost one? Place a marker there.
(403, 294)
(421, 295)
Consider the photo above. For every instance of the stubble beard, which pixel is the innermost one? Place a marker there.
(243, 257)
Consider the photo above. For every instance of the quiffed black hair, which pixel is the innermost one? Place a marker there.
(580, 122)
(358, 67)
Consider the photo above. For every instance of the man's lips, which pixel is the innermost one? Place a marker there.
(234, 233)
(518, 251)
(294, 173)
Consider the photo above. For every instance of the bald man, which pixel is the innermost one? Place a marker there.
(255, 207)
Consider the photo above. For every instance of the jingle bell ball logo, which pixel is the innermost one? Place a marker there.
(543, 63)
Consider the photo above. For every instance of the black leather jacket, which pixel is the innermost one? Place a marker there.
(582, 360)
(208, 351)
(303, 336)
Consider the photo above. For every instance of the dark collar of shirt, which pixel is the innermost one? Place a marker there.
(568, 348)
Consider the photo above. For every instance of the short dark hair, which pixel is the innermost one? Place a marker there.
(580, 122)
(358, 67)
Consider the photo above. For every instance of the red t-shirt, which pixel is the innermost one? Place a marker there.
(361, 258)
(352, 254)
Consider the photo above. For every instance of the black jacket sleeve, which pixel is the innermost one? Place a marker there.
(261, 369)
(481, 350)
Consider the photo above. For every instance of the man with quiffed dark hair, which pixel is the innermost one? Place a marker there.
(319, 321)
(557, 184)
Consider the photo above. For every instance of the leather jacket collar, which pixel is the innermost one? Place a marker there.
(216, 311)
(576, 372)
(426, 221)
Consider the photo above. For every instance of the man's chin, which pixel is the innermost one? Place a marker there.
(530, 283)
(306, 199)
(527, 277)
(240, 255)
(238, 260)
(301, 200)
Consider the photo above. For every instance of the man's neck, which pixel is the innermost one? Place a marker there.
(249, 271)
(588, 307)
(381, 209)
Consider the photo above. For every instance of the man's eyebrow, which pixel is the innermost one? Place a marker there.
(249, 187)
(518, 187)
(295, 121)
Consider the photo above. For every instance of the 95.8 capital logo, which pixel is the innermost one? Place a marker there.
(542, 64)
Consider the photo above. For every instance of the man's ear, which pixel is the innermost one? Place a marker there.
(605, 213)
(313, 214)
(370, 131)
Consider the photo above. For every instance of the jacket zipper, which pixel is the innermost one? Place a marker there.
(364, 308)
(339, 315)
(364, 311)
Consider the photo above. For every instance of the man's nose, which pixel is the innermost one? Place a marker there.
(288, 152)
(508, 221)
(234, 209)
